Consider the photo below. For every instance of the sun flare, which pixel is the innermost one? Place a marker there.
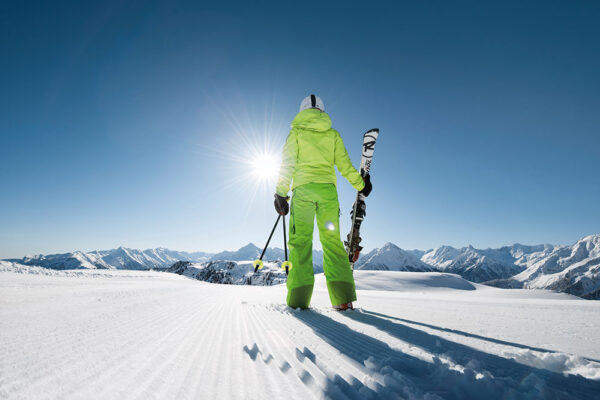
(265, 166)
(248, 155)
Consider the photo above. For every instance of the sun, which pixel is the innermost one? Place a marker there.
(265, 166)
(247, 154)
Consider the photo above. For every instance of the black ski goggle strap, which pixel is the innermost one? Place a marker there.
(313, 100)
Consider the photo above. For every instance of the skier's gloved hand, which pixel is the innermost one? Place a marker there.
(281, 205)
(368, 186)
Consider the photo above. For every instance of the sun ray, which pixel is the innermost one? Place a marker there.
(248, 154)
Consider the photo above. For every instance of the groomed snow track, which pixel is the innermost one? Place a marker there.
(144, 335)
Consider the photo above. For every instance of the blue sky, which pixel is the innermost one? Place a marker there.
(133, 124)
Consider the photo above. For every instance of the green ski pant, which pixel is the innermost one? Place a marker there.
(320, 199)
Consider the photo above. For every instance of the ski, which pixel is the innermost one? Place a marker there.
(358, 212)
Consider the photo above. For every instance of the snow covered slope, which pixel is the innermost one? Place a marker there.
(409, 282)
(99, 334)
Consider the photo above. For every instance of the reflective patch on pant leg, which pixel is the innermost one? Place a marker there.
(341, 292)
(300, 296)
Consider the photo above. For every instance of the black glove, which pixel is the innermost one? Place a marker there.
(368, 187)
(281, 205)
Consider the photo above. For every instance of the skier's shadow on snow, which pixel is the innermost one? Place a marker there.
(485, 375)
(463, 333)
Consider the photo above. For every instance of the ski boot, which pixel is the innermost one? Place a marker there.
(343, 307)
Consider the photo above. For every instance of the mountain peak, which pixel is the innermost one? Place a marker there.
(591, 239)
(390, 245)
(393, 258)
(249, 246)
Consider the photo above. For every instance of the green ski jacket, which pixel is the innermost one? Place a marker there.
(310, 152)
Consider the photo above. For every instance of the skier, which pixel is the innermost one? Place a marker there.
(310, 152)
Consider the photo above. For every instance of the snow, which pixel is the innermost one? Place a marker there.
(146, 334)
(411, 281)
(252, 252)
(124, 258)
(573, 269)
(391, 257)
(120, 258)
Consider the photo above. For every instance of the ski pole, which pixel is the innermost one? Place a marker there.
(286, 264)
(258, 264)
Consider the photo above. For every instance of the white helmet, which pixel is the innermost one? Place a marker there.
(312, 101)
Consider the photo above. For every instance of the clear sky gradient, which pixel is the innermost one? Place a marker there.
(133, 123)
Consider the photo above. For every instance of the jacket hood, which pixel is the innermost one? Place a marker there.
(313, 119)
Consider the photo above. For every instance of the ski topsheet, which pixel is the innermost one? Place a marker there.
(358, 212)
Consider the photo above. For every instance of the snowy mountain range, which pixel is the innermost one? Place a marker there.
(230, 272)
(159, 258)
(573, 269)
(120, 258)
(392, 258)
(252, 252)
(477, 265)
